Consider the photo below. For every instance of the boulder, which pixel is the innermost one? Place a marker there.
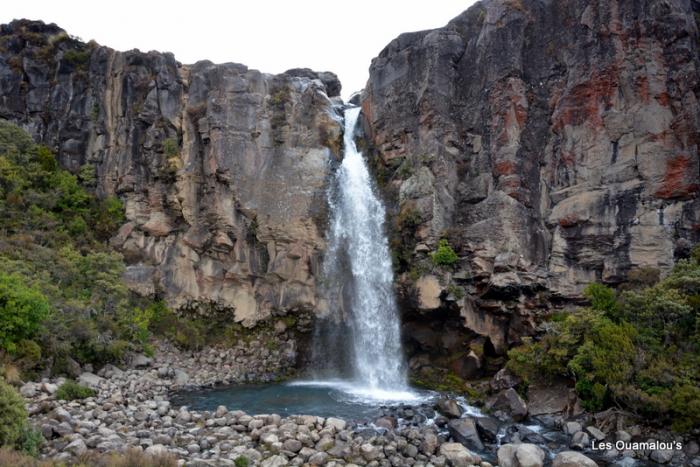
(458, 455)
(520, 455)
(275, 461)
(450, 408)
(463, 430)
(547, 399)
(28, 390)
(337, 423)
(662, 456)
(572, 459)
(180, 377)
(504, 379)
(386, 422)
(511, 402)
(72, 368)
(579, 441)
(368, 452)
(488, 428)
(572, 427)
(596, 433)
(429, 444)
(90, 380)
(141, 361)
(77, 447)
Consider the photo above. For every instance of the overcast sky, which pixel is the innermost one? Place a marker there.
(271, 36)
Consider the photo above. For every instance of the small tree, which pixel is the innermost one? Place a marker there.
(444, 255)
(22, 310)
(602, 298)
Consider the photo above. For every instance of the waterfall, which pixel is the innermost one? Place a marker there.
(358, 278)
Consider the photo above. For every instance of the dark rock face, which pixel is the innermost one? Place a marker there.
(222, 169)
(553, 143)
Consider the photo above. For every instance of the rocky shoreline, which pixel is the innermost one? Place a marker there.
(132, 410)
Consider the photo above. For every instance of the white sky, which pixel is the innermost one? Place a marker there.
(271, 36)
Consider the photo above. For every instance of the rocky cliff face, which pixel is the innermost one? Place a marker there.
(222, 169)
(553, 143)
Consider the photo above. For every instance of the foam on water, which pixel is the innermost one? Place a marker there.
(371, 395)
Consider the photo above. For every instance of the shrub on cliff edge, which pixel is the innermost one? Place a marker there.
(444, 255)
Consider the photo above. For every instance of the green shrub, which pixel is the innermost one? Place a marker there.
(87, 175)
(13, 415)
(28, 353)
(241, 461)
(456, 291)
(170, 147)
(54, 241)
(30, 441)
(77, 58)
(643, 277)
(186, 333)
(640, 351)
(22, 310)
(444, 255)
(70, 390)
(602, 298)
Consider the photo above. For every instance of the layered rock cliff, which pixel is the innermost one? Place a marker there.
(222, 169)
(552, 143)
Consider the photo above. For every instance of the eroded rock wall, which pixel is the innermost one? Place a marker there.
(553, 143)
(222, 169)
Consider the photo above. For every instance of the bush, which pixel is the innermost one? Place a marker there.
(54, 244)
(13, 415)
(445, 255)
(30, 441)
(241, 462)
(186, 333)
(640, 351)
(77, 58)
(70, 390)
(28, 354)
(170, 147)
(602, 298)
(22, 310)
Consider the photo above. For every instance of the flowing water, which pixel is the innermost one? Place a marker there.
(359, 285)
(359, 365)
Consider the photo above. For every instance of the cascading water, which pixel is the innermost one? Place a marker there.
(359, 280)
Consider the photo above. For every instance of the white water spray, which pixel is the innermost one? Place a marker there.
(364, 283)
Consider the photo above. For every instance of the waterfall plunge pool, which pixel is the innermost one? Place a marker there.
(329, 398)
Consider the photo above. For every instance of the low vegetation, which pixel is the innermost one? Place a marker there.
(15, 431)
(130, 458)
(61, 293)
(444, 255)
(13, 415)
(70, 391)
(639, 349)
